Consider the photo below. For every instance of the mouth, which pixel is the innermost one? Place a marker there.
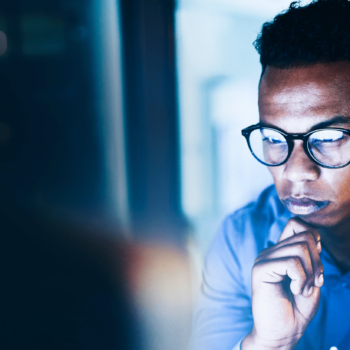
(304, 205)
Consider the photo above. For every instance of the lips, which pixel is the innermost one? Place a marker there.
(304, 205)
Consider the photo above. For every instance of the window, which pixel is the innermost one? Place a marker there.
(219, 71)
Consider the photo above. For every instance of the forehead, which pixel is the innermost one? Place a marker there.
(296, 99)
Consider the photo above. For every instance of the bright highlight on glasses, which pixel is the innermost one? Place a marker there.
(329, 147)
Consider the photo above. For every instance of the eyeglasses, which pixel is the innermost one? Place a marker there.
(328, 147)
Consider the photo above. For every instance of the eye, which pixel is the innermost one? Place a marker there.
(272, 140)
(326, 136)
(272, 136)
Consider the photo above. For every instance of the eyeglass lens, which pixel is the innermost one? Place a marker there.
(329, 147)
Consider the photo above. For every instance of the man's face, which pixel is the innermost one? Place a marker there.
(296, 100)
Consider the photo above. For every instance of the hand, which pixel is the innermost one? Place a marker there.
(286, 281)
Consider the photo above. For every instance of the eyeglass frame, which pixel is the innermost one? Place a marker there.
(290, 138)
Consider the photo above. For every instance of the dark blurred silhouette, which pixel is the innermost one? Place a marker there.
(69, 279)
(63, 283)
(62, 287)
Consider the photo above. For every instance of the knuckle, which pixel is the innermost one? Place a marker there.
(314, 236)
(296, 263)
(294, 260)
(304, 237)
(309, 236)
(303, 247)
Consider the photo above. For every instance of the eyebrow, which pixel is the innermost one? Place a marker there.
(337, 120)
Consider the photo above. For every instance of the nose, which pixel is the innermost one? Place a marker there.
(299, 167)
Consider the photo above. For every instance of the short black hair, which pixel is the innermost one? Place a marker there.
(303, 35)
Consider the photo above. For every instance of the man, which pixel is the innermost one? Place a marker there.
(277, 274)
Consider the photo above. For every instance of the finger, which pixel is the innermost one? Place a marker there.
(317, 266)
(275, 271)
(296, 226)
(301, 251)
(308, 238)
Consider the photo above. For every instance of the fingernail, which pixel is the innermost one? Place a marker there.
(320, 279)
(310, 291)
(319, 247)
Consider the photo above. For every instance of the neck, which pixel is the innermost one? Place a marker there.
(336, 240)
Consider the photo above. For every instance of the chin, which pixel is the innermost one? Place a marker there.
(323, 219)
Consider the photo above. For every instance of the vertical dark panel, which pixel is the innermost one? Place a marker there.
(151, 115)
(60, 291)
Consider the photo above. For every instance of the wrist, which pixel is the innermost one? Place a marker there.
(252, 341)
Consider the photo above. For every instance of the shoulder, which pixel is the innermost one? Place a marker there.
(223, 313)
(244, 233)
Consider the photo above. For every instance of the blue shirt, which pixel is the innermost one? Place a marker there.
(224, 313)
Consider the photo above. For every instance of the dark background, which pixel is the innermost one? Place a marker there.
(54, 189)
(55, 155)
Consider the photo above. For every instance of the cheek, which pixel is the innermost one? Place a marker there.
(333, 183)
(277, 175)
(282, 186)
(335, 186)
(339, 182)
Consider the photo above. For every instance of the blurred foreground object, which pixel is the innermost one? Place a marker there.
(62, 287)
(68, 287)
(161, 282)
(75, 183)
